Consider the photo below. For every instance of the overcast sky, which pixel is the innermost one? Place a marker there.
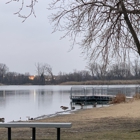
(22, 45)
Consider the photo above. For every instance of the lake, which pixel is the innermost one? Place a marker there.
(20, 102)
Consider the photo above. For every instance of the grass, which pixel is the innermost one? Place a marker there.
(119, 98)
(98, 129)
(105, 135)
(103, 82)
(136, 96)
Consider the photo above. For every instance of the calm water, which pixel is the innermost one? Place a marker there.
(21, 101)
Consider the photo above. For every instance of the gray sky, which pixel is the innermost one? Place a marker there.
(25, 44)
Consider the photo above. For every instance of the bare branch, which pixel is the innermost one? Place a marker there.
(23, 5)
(107, 28)
(101, 24)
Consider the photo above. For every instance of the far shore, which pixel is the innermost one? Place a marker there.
(103, 82)
(94, 82)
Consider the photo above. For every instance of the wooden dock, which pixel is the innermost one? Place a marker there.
(92, 98)
(80, 94)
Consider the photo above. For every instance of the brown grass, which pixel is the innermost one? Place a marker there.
(103, 82)
(119, 98)
(136, 96)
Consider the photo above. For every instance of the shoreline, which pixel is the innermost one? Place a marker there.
(90, 82)
(103, 82)
(115, 122)
(127, 109)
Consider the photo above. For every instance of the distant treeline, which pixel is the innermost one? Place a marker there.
(121, 71)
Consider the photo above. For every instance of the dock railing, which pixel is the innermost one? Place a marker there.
(33, 126)
(112, 91)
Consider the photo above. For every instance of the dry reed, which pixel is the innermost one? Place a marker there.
(136, 96)
(119, 98)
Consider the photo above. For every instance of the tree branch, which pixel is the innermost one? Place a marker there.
(134, 35)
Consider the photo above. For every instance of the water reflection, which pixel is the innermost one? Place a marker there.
(16, 104)
(44, 98)
(31, 101)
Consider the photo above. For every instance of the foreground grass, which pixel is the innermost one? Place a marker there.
(112, 135)
(116, 122)
(98, 129)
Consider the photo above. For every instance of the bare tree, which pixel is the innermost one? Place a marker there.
(49, 72)
(124, 70)
(120, 71)
(30, 5)
(3, 69)
(93, 68)
(40, 69)
(44, 69)
(136, 68)
(85, 75)
(97, 70)
(108, 28)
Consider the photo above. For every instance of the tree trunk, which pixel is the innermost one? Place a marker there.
(134, 35)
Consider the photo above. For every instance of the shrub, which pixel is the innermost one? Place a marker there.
(119, 98)
(136, 96)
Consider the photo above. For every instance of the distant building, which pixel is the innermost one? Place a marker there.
(31, 77)
(47, 78)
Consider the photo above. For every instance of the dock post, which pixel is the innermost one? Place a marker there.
(92, 91)
(85, 93)
(71, 93)
(58, 133)
(71, 105)
(33, 133)
(9, 133)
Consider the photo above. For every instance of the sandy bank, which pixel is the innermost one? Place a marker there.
(116, 122)
(129, 110)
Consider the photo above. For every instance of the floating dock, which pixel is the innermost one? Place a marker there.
(82, 94)
(93, 98)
